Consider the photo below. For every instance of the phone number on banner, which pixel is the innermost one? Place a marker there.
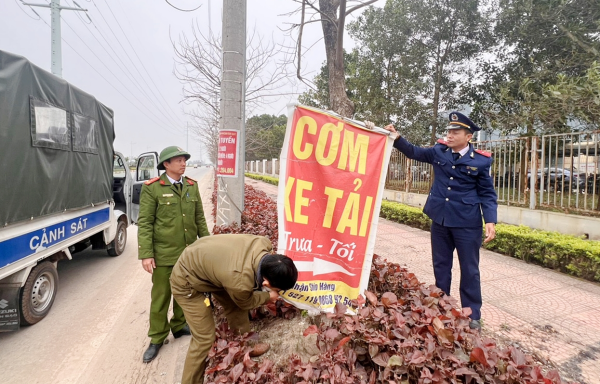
(317, 293)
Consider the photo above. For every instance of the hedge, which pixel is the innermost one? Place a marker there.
(266, 179)
(568, 254)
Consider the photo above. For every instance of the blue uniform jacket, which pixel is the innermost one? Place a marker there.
(461, 189)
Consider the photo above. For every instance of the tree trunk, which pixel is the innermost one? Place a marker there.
(439, 67)
(338, 99)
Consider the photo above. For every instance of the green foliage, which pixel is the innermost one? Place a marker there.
(266, 179)
(564, 253)
(535, 78)
(577, 97)
(264, 136)
(318, 97)
(405, 214)
(524, 66)
(410, 62)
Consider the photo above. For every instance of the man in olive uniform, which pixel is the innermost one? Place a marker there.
(171, 218)
(233, 269)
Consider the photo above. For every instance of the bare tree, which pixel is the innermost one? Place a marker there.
(332, 15)
(206, 129)
(198, 66)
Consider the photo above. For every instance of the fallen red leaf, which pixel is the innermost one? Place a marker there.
(310, 330)
(478, 355)
(371, 297)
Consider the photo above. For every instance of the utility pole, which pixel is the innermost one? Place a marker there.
(230, 202)
(55, 9)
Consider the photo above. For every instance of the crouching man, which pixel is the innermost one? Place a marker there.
(234, 269)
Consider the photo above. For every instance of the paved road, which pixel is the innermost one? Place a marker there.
(96, 330)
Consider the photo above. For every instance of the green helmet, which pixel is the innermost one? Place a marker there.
(169, 153)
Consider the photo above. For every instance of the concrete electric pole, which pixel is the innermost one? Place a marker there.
(230, 201)
(55, 9)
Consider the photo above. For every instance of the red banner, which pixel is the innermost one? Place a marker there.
(331, 181)
(227, 155)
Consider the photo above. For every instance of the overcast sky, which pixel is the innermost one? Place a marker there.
(146, 98)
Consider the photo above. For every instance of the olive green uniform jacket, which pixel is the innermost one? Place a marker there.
(223, 263)
(169, 220)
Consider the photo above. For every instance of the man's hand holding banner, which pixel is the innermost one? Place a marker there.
(331, 182)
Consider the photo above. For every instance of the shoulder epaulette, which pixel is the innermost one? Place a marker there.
(153, 180)
(190, 180)
(484, 153)
(442, 141)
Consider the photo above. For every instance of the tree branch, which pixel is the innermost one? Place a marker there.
(359, 6)
(576, 40)
(339, 59)
(299, 49)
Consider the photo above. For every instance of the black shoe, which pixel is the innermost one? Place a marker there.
(476, 325)
(151, 352)
(185, 331)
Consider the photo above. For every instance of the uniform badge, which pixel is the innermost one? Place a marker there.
(454, 117)
(167, 195)
(472, 168)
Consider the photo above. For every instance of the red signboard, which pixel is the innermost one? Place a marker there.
(331, 182)
(227, 155)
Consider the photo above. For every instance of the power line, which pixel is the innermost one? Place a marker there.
(140, 44)
(183, 10)
(124, 50)
(132, 79)
(106, 66)
(103, 77)
(124, 68)
(141, 62)
(32, 10)
(136, 54)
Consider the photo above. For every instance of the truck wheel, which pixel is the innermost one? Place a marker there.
(37, 296)
(117, 246)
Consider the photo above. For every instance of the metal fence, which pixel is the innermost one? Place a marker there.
(565, 168)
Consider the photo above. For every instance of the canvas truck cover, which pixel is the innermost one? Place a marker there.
(56, 144)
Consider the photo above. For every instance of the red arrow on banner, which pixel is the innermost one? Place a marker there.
(321, 267)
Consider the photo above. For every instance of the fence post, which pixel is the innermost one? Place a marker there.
(408, 173)
(533, 172)
(264, 166)
(273, 169)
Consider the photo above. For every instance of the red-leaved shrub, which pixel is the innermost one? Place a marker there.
(403, 332)
(258, 218)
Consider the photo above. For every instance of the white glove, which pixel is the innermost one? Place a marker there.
(369, 125)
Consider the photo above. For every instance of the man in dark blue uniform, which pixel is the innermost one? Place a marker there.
(462, 191)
